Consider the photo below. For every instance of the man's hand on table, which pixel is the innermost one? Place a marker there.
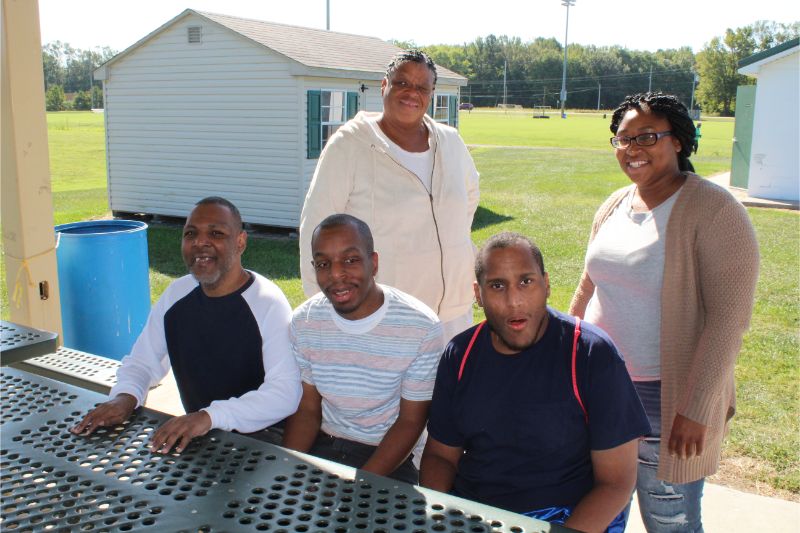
(108, 413)
(179, 431)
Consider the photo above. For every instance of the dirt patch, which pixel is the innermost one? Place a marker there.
(748, 475)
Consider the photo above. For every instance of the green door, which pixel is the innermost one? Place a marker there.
(743, 135)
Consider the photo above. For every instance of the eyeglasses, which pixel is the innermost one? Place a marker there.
(644, 139)
(404, 85)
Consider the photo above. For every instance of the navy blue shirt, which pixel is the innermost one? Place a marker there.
(527, 445)
(214, 347)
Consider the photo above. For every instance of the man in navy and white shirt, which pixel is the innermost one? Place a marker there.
(225, 333)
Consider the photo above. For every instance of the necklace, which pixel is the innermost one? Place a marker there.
(637, 217)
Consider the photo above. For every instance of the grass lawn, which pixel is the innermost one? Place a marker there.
(77, 165)
(543, 178)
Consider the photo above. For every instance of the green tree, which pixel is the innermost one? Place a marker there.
(718, 61)
(82, 101)
(81, 66)
(97, 97)
(54, 61)
(534, 71)
(72, 68)
(54, 98)
(717, 65)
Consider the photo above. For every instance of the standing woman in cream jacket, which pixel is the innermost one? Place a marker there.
(670, 275)
(413, 181)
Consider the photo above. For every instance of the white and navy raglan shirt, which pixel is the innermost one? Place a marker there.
(230, 355)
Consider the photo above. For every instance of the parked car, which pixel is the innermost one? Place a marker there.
(466, 105)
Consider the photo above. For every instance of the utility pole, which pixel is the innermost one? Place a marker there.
(505, 89)
(650, 81)
(566, 3)
(328, 15)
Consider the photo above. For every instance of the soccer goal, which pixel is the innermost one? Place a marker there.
(510, 106)
(541, 111)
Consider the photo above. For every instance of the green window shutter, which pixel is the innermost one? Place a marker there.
(314, 124)
(352, 104)
(452, 108)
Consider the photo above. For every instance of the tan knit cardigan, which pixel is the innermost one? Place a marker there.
(710, 274)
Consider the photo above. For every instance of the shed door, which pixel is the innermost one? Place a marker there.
(743, 135)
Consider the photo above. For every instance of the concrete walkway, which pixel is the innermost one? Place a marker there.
(726, 510)
(724, 180)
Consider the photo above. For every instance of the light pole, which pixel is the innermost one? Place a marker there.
(566, 3)
(695, 79)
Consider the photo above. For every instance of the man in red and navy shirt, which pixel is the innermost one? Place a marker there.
(528, 414)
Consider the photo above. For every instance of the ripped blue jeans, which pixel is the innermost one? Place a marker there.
(665, 507)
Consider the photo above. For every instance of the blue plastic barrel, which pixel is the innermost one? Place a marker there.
(104, 284)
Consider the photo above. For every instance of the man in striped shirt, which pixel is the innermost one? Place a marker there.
(368, 355)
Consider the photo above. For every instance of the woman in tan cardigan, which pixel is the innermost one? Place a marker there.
(670, 275)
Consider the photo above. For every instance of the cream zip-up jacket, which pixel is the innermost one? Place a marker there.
(423, 240)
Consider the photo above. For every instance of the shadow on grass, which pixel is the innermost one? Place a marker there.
(485, 218)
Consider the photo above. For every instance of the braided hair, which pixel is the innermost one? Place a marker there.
(669, 107)
(411, 56)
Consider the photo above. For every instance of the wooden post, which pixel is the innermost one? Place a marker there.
(26, 204)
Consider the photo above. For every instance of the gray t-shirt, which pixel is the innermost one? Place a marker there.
(626, 263)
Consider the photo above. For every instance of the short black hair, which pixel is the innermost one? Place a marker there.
(411, 56)
(343, 219)
(669, 107)
(506, 239)
(219, 200)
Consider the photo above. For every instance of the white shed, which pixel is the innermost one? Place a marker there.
(210, 104)
(774, 163)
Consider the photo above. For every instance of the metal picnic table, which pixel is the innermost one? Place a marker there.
(109, 481)
(18, 343)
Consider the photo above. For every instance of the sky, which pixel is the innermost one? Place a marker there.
(636, 25)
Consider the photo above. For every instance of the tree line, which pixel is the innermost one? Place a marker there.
(71, 70)
(601, 77)
(507, 70)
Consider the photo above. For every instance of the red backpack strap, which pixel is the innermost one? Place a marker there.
(574, 376)
(469, 349)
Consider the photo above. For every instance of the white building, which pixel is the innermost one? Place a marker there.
(774, 160)
(210, 104)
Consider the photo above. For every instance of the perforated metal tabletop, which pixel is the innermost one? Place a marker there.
(110, 481)
(18, 342)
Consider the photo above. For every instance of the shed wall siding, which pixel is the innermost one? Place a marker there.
(774, 167)
(186, 121)
(224, 117)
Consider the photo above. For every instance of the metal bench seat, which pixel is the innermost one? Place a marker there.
(75, 367)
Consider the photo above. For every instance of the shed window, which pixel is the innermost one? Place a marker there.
(327, 111)
(440, 113)
(334, 105)
(194, 34)
(444, 109)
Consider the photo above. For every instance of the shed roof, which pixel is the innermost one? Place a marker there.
(318, 50)
(751, 65)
